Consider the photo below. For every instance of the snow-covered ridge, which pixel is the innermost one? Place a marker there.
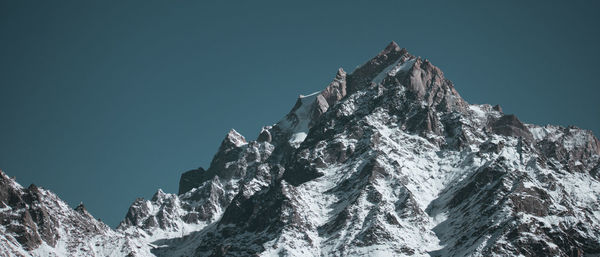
(35, 222)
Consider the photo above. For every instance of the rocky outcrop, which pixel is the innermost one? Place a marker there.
(510, 125)
(364, 75)
(229, 150)
(336, 90)
(265, 135)
(32, 224)
(192, 179)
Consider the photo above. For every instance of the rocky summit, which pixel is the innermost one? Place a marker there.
(388, 160)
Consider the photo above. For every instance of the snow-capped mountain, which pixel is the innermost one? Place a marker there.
(35, 222)
(388, 160)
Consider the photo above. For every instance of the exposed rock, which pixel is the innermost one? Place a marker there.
(498, 108)
(362, 76)
(264, 136)
(510, 125)
(192, 179)
(336, 90)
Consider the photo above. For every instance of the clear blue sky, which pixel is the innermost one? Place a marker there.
(106, 101)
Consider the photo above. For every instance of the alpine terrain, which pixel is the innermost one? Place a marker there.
(388, 160)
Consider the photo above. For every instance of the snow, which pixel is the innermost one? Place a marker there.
(540, 133)
(399, 65)
(311, 95)
(236, 138)
(575, 139)
(297, 138)
(299, 126)
(427, 173)
(479, 112)
(402, 67)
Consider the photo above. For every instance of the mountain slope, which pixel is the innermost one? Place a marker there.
(392, 150)
(388, 160)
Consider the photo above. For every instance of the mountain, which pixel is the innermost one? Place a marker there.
(36, 222)
(388, 160)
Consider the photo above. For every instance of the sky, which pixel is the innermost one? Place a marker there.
(106, 101)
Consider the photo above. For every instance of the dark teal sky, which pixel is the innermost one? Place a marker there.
(105, 102)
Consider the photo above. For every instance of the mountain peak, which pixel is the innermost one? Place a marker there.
(235, 138)
(81, 209)
(159, 195)
(391, 47)
(340, 73)
(364, 75)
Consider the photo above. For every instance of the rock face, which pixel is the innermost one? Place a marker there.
(387, 160)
